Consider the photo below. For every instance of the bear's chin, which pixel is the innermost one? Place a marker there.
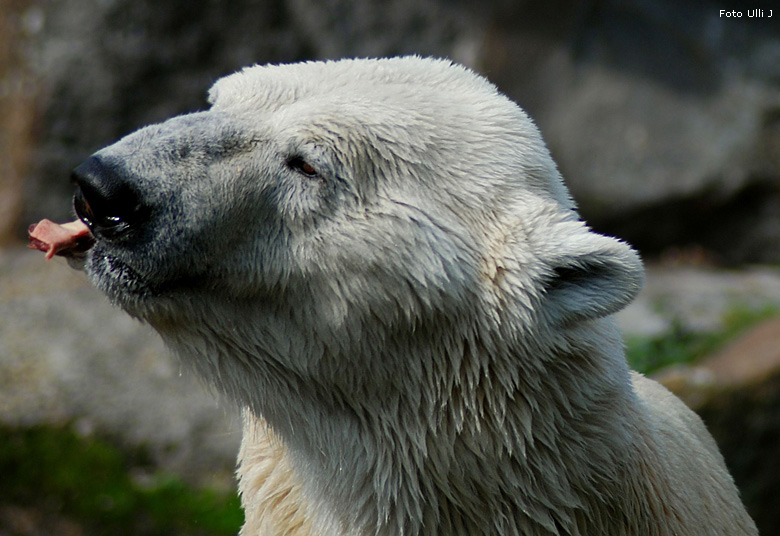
(122, 284)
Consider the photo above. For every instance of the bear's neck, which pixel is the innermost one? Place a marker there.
(488, 437)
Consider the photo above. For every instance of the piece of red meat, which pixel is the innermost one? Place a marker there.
(66, 239)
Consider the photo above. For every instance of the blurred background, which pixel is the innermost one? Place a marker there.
(663, 116)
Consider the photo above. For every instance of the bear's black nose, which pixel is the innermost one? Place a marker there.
(104, 200)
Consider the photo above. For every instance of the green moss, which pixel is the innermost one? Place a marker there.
(89, 481)
(680, 345)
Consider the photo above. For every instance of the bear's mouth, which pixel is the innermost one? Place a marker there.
(70, 240)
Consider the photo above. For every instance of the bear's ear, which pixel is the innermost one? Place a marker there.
(590, 276)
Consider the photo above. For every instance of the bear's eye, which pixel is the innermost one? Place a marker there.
(299, 164)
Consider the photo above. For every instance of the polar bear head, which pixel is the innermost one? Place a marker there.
(321, 217)
(380, 259)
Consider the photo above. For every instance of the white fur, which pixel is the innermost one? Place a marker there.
(420, 333)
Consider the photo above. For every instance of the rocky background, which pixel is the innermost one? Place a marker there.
(664, 117)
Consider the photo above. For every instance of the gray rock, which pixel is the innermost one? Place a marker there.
(68, 356)
(663, 117)
(697, 299)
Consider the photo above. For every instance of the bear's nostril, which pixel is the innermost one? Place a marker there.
(104, 200)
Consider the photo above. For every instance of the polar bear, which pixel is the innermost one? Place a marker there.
(379, 261)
